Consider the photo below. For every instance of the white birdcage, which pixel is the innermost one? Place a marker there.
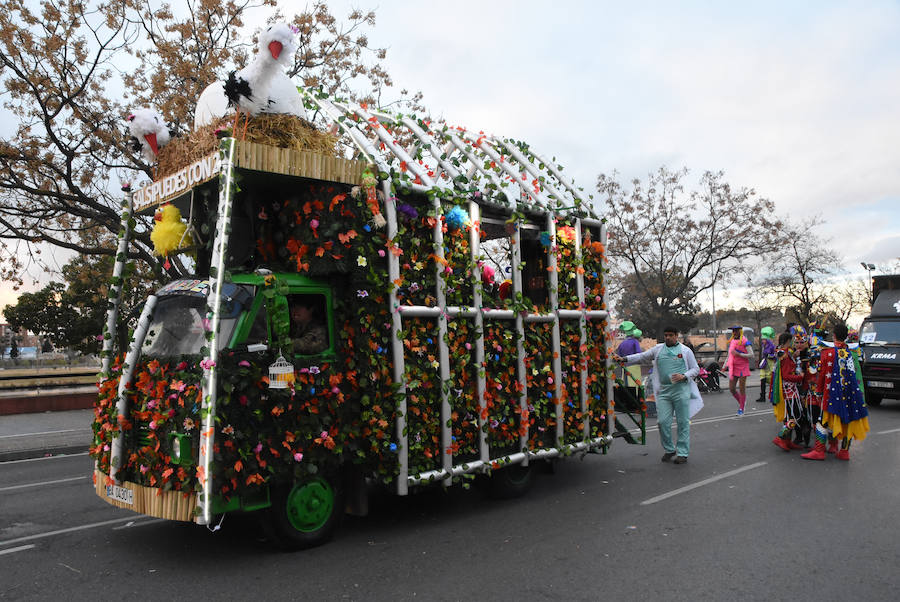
(281, 374)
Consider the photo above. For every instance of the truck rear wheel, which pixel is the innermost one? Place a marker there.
(873, 399)
(510, 481)
(305, 514)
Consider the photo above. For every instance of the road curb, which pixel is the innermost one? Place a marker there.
(35, 403)
(30, 454)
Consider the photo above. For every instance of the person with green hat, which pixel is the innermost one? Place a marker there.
(767, 363)
(626, 327)
(632, 374)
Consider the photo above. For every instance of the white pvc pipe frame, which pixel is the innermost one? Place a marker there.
(214, 300)
(442, 312)
(128, 366)
(207, 434)
(334, 111)
(115, 297)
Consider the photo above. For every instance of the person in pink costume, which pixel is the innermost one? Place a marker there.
(738, 363)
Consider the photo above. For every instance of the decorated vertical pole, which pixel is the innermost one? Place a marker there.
(517, 286)
(125, 380)
(610, 417)
(553, 271)
(398, 362)
(115, 287)
(478, 302)
(582, 324)
(213, 314)
(440, 292)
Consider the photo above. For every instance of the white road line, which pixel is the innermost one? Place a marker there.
(686, 488)
(42, 483)
(45, 433)
(888, 432)
(19, 549)
(709, 420)
(69, 530)
(134, 524)
(56, 457)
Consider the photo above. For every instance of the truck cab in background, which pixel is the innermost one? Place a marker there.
(879, 337)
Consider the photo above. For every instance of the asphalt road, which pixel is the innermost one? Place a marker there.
(741, 520)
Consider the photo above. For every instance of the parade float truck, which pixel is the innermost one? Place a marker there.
(460, 281)
(879, 337)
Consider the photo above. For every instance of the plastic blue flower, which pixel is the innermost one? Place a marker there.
(545, 239)
(393, 447)
(456, 218)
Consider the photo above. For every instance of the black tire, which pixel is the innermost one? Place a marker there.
(305, 514)
(873, 399)
(510, 482)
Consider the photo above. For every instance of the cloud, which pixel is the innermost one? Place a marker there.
(798, 104)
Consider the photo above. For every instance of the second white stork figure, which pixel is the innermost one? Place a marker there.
(149, 133)
(260, 87)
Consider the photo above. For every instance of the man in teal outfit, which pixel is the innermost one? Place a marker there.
(674, 368)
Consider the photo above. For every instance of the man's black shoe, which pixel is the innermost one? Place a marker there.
(681, 460)
(668, 456)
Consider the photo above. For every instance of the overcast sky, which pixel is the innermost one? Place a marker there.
(799, 100)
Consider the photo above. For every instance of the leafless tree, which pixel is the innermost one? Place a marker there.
(678, 244)
(802, 275)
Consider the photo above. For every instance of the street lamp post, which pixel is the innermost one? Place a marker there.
(714, 325)
(869, 267)
(715, 332)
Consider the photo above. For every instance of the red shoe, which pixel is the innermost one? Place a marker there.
(843, 454)
(817, 453)
(832, 446)
(782, 444)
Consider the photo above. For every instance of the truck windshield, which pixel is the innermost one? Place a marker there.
(885, 332)
(178, 328)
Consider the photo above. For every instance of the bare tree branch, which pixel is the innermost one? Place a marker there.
(62, 63)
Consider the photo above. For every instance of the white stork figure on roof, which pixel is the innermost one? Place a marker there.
(149, 133)
(260, 87)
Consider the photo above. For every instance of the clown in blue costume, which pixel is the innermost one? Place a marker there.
(844, 411)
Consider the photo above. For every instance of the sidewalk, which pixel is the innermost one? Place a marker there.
(24, 436)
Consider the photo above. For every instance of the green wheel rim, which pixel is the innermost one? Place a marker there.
(310, 504)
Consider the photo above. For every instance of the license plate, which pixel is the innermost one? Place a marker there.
(120, 494)
(881, 384)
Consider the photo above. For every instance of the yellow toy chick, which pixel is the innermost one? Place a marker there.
(168, 231)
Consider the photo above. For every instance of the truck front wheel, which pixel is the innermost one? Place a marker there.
(305, 514)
